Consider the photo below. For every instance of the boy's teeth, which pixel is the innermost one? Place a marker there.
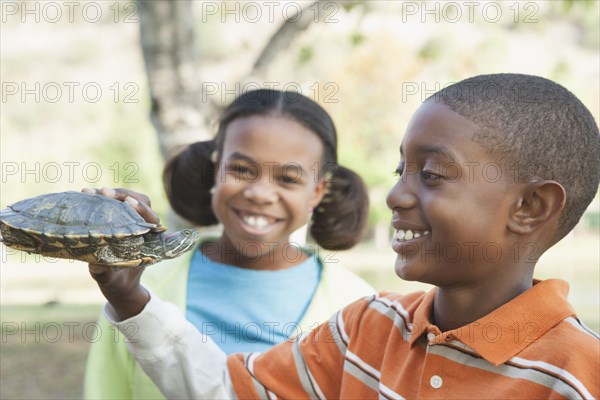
(402, 235)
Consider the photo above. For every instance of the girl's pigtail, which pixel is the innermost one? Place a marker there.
(340, 220)
(188, 179)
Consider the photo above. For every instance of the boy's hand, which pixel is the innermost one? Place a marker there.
(122, 289)
(121, 286)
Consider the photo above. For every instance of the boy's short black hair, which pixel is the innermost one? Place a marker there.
(538, 129)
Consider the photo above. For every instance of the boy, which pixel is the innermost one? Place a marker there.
(494, 170)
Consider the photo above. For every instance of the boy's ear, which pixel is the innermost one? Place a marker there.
(539, 202)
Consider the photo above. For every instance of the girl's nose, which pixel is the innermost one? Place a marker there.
(261, 193)
(401, 196)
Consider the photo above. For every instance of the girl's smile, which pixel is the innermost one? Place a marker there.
(258, 224)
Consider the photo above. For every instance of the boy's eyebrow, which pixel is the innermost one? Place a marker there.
(438, 149)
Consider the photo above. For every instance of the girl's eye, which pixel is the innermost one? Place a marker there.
(289, 179)
(240, 169)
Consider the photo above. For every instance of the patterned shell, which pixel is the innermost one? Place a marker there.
(76, 216)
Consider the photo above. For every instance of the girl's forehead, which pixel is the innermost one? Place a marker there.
(273, 137)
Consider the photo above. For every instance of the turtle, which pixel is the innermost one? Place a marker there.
(91, 228)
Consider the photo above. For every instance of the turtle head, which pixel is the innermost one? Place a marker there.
(159, 246)
(177, 243)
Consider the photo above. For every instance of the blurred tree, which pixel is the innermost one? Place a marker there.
(168, 45)
(282, 38)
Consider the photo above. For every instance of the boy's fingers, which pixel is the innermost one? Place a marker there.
(121, 194)
(144, 210)
(100, 273)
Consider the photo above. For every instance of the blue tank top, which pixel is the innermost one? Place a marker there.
(247, 310)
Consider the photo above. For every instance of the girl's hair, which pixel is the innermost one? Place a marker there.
(338, 222)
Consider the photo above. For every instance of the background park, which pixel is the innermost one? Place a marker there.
(77, 82)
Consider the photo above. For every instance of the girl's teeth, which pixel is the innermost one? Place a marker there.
(256, 221)
(408, 235)
(400, 234)
(417, 235)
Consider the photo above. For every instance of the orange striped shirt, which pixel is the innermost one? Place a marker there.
(385, 347)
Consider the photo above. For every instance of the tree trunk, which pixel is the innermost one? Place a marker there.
(168, 44)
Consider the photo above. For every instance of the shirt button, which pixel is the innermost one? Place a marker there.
(436, 381)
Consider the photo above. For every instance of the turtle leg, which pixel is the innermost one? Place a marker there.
(20, 240)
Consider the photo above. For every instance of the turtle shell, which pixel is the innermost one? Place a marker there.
(75, 217)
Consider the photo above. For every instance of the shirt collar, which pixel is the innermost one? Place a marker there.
(510, 328)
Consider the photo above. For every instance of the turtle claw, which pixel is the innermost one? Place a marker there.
(127, 264)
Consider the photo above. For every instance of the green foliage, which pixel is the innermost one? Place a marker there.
(561, 71)
(305, 54)
(357, 38)
(568, 5)
(431, 50)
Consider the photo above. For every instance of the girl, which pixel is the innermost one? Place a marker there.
(271, 167)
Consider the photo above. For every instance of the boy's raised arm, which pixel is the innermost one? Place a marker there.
(181, 361)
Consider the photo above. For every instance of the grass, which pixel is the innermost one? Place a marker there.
(43, 350)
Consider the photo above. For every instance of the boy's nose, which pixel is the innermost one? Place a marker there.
(400, 196)
(261, 193)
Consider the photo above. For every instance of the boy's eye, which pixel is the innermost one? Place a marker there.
(399, 170)
(430, 176)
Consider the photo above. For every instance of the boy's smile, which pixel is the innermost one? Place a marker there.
(451, 203)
